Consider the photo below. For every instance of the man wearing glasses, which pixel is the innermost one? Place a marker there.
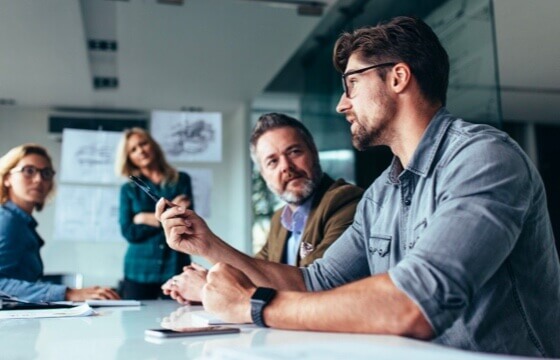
(452, 243)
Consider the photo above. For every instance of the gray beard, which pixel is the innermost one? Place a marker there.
(294, 199)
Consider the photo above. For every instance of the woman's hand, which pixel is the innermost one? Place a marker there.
(146, 218)
(91, 293)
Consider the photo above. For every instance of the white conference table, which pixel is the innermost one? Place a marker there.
(118, 333)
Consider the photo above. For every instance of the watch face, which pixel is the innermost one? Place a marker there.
(259, 301)
(263, 294)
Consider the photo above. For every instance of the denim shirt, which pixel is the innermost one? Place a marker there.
(464, 231)
(20, 261)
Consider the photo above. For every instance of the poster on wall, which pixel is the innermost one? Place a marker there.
(201, 180)
(85, 213)
(188, 136)
(88, 156)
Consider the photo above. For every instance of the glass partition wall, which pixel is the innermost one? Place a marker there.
(466, 29)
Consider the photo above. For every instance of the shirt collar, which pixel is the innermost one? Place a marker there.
(423, 156)
(296, 219)
(17, 211)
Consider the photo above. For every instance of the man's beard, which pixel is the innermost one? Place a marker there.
(308, 188)
(363, 138)
(293, 198)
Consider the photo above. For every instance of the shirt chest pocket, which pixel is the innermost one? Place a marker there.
(416, 233)
(379, 248)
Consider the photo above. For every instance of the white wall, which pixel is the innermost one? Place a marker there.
(102, 263)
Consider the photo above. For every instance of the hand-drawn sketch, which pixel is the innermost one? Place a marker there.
(188, 136)
(94, 154)
(202, 190)
(193, 138)
(88, 156)
(97, 218)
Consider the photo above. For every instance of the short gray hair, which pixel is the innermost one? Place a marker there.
(272, 121)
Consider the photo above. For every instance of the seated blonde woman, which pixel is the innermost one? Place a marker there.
(27, 181)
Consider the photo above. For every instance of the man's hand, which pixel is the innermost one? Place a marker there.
(187, 286)
(92, 293)
(182, 200)
(185, 231)
(227, 294)
(170, 288)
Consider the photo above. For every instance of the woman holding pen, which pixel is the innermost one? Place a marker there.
(27, 181)
(148, 262)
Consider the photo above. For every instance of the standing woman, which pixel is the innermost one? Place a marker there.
(27, 181)
(148, 262)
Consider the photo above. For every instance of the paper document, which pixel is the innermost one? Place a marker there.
(81, 310)
(100, 303)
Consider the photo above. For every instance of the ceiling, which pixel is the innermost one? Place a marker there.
(218, 54)
(205, 54)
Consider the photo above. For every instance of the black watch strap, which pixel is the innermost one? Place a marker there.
(260, 299)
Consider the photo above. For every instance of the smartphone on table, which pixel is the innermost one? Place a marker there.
(191, 331)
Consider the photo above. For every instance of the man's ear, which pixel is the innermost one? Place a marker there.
(400, 77)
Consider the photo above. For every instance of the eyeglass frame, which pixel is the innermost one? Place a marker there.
(35, 171)
(359, 71)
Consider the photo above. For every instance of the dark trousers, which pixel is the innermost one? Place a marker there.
(130, 289)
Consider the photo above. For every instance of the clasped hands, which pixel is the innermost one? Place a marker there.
(224, 290)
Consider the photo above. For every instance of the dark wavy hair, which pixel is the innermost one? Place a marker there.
(403, 39)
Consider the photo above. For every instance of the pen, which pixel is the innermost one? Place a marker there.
(144, 187)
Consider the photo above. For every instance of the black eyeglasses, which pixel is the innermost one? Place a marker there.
(29, 172)
(349, 87)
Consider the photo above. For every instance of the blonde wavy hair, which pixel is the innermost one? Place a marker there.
(125, 167)
(12, 158)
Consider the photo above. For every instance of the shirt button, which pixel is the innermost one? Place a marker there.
(407, 202)
(161, 246)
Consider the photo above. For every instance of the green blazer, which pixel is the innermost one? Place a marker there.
(332, 211)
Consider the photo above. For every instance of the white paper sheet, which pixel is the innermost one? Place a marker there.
(86, 213)
(202, 190)
(103, 303)
(88, 156)
(81, 310)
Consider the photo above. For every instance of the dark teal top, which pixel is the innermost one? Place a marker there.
(148, 259)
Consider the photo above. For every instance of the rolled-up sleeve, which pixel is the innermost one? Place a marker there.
(481, 208)
(343, 262)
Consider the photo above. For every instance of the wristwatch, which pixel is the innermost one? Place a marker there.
(261, 298)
